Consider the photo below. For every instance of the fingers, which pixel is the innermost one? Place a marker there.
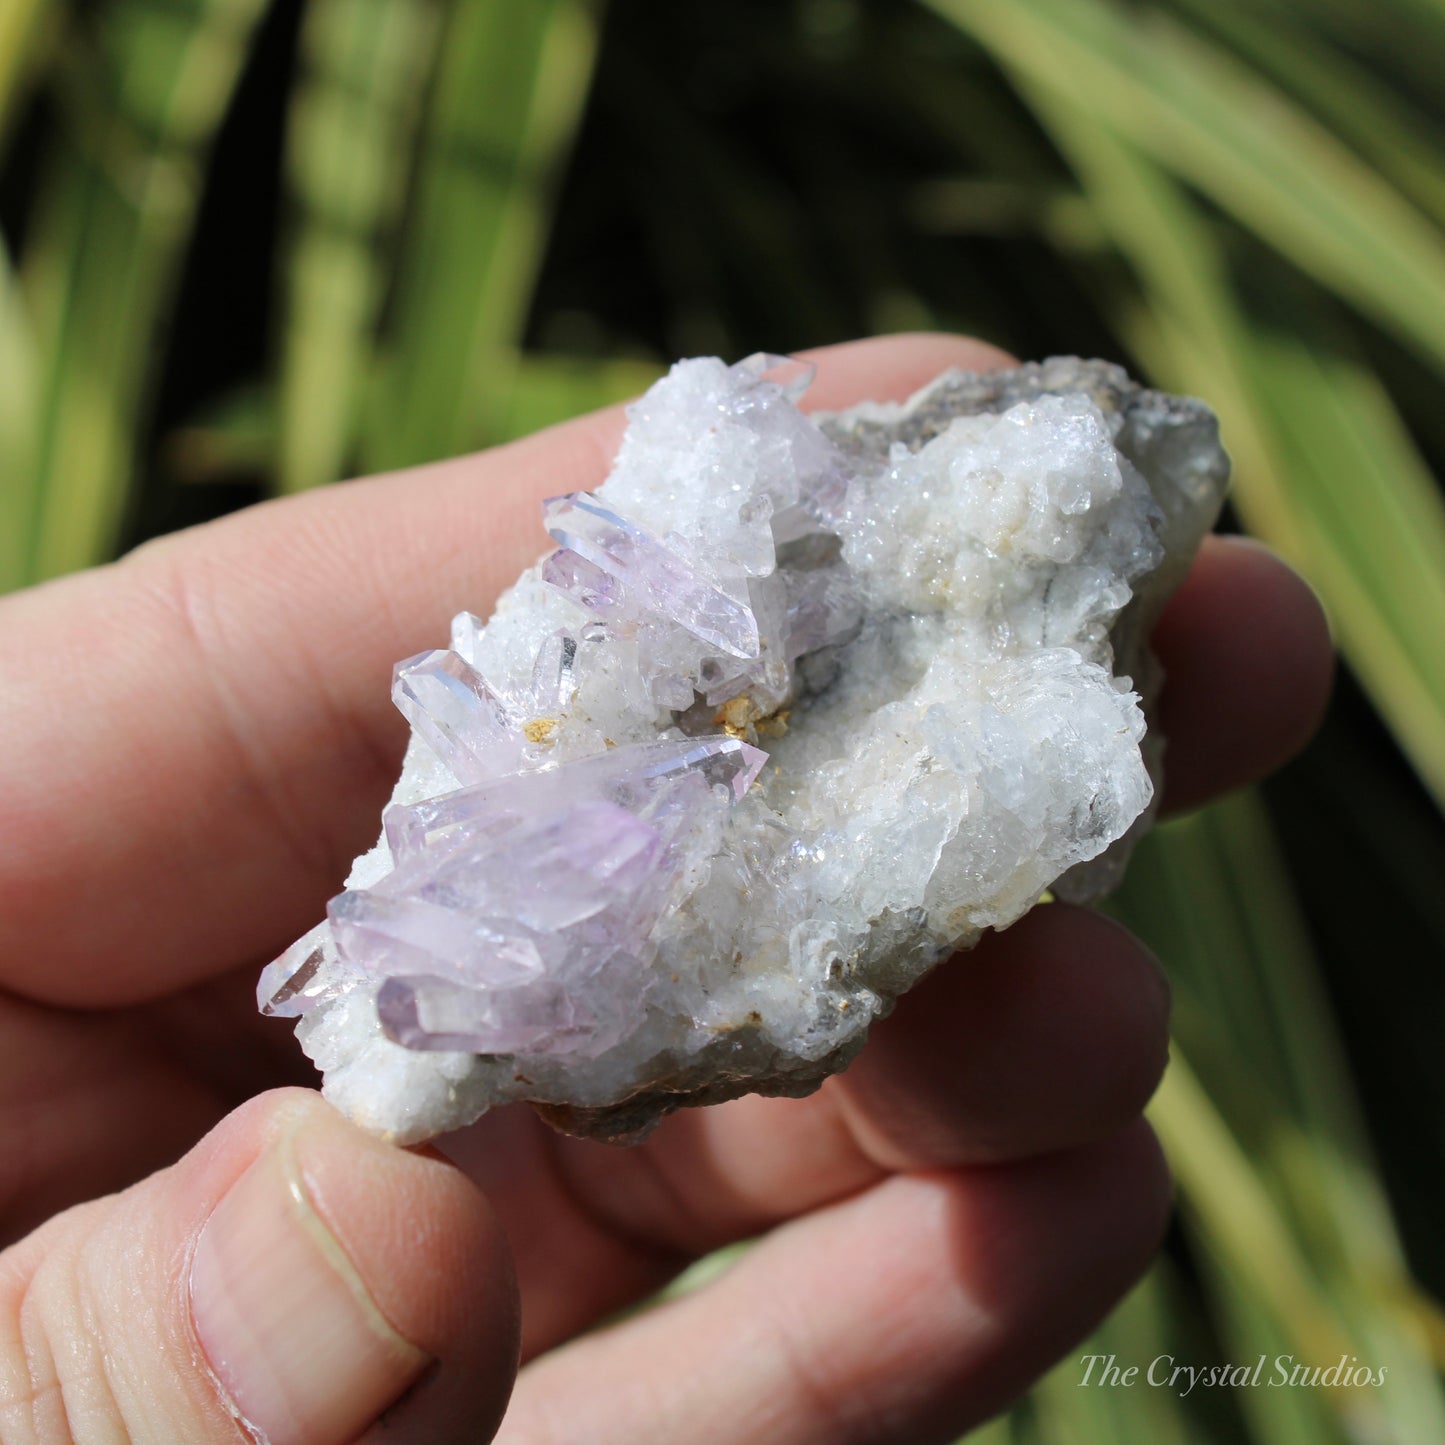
(908, 1313)
(1050, 1035)
(1248, 667)
(204, 731)
(900, 365)
(289, 1271)
(93, 1100)
(88, 1104)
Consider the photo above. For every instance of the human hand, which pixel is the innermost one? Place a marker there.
(198, 740)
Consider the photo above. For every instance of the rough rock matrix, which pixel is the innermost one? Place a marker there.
(798, 707)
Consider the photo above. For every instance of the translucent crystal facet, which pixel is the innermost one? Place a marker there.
(798, 707)
(305, 975)
(587, 584)
(792, 376)
(514, 918)
(657, 575)
(453, 710)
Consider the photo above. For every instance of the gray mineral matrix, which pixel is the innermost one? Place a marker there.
(799, 706)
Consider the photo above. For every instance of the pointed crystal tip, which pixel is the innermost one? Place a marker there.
(650, 571)
(788, 373)
(454, 710)
(301, 978)
(719, 759)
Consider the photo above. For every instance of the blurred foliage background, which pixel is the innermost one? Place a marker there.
(251, 246)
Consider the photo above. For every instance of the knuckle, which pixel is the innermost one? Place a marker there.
(46, 1361)
(825, 1406)
(86, 1360)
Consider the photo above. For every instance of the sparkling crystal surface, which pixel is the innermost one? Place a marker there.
(798, 707)
(453, 710)
(664, 583)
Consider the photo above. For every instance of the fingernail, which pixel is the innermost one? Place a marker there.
(287, 1324)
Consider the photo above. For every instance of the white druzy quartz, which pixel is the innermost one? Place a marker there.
(799, 707)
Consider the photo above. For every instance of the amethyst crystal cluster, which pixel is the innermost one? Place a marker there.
(797, 707)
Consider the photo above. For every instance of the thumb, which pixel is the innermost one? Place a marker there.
(290, 1273)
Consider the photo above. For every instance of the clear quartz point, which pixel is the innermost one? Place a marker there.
(554, 674)
(302, 977)
(451, 707)
(467, 630)
(792, 376)
(728, 761)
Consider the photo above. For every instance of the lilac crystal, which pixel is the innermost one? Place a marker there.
(508, 895)
(822, 609)
(587, 584)
(496, 934)
(590, 891)
(660, 578)
(627, 776)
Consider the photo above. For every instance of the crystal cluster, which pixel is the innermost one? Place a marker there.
(797, 707)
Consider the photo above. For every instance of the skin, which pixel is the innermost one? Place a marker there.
(199, 739)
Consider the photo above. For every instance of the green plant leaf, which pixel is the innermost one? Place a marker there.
(144, 94)
(1400, 140)
(1213, 122)
(1141, 1330)
(506, 102)
(546, 389)
(23, 26)
(1262, 1128)
(365, 65)
(17, 403)
(233, 436)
